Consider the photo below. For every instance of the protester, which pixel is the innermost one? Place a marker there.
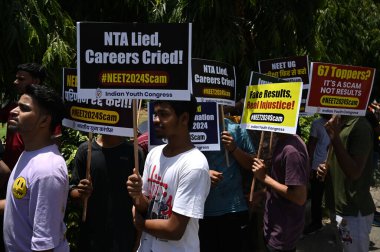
(28, 73)
(4, 170)
(317, 147)
(372, 116)
(109, 224)
(169, 198)
(286, 195)
(374, 122)
(224, 227)
(38, 185)
(350, 167)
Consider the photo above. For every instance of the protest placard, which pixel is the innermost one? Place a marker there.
(103, 116)
(133, 60)
(205, 134)
(339, 89)
(292, 69)
(213, 81)
(260, 79)
(272, 107)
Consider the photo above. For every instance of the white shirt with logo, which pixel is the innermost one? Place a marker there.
(175, 184)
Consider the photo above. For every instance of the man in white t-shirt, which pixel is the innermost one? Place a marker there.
(38, 185)
(169, 198)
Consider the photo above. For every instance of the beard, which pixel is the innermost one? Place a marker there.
(12, 128)
(159, 134)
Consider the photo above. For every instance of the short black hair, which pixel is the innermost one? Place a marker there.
(48, 100)
(181, 107)
(36, 70)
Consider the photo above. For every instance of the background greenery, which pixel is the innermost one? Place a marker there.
(239, 32)
(2, 132)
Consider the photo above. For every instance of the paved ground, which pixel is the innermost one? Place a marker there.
(326, 241)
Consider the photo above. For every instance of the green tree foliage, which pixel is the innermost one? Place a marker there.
(71, 139)
(238, 32)
(348, 32)
(304, 125)
(34, 31)
(107, 11)
(243, 32)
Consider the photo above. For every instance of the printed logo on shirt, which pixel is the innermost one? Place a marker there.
(19, 188)
(160, 206)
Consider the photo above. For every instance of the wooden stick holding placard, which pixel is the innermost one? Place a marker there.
(224, 128)
(258, 156)
(138, 112)
(271, 143)
(88, 174)
(135, 140)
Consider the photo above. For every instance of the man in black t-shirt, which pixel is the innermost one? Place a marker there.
(109, 225)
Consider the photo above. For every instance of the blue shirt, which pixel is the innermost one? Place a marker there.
(227, 196)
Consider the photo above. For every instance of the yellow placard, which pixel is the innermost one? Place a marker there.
(272, 107)
(94, 115)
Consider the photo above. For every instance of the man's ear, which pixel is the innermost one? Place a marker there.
(36, 81)
(184, 119)
(45, 121)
